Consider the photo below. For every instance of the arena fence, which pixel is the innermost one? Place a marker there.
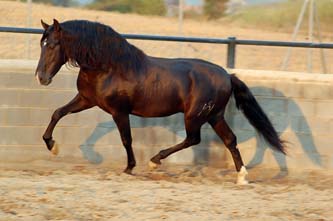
(231, 42)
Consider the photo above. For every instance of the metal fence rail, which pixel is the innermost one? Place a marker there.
(232, 42)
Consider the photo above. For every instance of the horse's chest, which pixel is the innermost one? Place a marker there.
(86, 88)
(108, 93)
(92, 87)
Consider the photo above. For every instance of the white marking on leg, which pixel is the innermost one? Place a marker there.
(241, 177)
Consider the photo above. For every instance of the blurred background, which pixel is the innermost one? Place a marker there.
(243, 19)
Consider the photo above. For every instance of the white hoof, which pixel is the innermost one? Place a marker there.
(152, 165)
(55, 149)
(241, 177)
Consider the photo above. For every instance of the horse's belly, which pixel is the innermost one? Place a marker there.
(157, 109)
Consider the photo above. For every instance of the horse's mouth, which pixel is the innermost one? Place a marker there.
(44, 81)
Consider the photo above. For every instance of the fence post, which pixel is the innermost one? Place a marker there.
(231, 52)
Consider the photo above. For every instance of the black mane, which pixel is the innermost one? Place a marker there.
(96, 46)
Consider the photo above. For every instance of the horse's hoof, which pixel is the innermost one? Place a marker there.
(128, 171)
(55, 149)
(241, 177)
(153, 165)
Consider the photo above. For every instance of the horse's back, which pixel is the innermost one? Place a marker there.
(195, 75)
(186, 69)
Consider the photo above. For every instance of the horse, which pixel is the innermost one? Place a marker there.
(121, 79)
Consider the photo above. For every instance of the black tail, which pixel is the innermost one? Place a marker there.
(246, 102)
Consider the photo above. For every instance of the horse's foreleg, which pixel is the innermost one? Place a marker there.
(76, 105)
(123, 124)
(225, 133)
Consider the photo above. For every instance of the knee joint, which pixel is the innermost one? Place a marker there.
(193, 140)
(57, 114)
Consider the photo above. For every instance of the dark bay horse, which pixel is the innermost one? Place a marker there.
(121, 79)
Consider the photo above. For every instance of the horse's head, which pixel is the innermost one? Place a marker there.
(52, 56)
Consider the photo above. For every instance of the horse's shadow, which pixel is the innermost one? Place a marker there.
(201, 155)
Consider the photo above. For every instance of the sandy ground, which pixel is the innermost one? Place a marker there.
(81, 192)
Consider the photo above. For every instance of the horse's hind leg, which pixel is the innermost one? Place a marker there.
(76, 105)
(192, 127)
(225, 133)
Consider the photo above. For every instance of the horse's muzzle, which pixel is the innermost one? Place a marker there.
(42, 80)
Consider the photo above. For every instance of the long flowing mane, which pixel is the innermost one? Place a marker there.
(96, 46)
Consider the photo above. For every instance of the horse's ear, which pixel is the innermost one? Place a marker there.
(45, 26)
(56, 25)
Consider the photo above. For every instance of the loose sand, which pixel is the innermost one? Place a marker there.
(79, 192)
